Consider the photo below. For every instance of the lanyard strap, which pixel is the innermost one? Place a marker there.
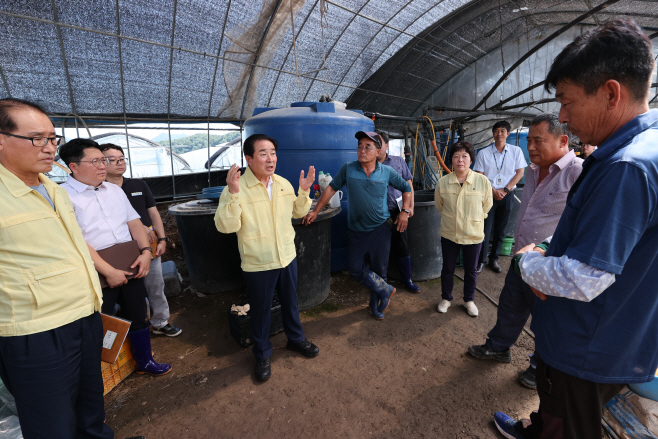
(496, 160)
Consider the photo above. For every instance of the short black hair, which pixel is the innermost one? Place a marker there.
(383, 136)
(463, 145)
(618, 49)
(74, 150)
(556, 128)
(248, 146)
(7, 105)
(105, 146)
(502, 124)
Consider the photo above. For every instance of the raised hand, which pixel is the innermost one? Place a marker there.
(233, 179)
(306, 183)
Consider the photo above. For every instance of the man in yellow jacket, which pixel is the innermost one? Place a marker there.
(51, 333)
(258, 207)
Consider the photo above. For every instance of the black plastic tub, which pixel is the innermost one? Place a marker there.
(213, 258)
(424, 240)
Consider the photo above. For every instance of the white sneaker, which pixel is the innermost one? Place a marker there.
(443, 305)
(471, 308)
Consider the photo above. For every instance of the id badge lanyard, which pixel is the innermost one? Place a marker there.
(499, 178)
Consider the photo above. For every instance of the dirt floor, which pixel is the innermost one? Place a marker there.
(407, 376)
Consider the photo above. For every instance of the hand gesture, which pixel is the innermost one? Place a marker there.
(233, 179)
(310, 217)
(306, 183)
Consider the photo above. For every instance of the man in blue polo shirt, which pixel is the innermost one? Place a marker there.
(596, 324)
(369, 233)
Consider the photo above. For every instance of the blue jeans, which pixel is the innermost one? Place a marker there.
(260, 291)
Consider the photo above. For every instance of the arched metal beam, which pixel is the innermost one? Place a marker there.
(527, 89)
(336, 41)
(541, 44)
(4, 81)
(401, 31)
(384, 26)
(219, 51)
(285, 60)
(260, 48)
(61, 46)
(410, 47)
(524, 17)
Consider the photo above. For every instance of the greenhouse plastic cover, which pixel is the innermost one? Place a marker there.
(215, 59)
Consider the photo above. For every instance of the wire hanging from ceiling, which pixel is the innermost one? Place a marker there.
(324, 23)
(294, 45)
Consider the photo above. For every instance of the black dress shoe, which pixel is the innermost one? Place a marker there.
(306, 348)
(480, 268)
(485, 353)
(495, 267)
(263, 371)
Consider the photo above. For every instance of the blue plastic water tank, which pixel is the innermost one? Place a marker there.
(313, 134)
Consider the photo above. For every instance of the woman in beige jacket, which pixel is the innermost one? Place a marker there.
(463, 198)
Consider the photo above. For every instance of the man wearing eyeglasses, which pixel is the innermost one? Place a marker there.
(368, 232)
(107, 219)
(142, 201)
(51, 331)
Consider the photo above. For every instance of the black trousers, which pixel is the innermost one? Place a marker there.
(131, 297)
(494, 227)
(569, 407)
(260, 290)
(55, 377)
(450, 252)
(516, 303)
(399, 240)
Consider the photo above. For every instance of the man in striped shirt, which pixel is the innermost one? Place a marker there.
(553, 171)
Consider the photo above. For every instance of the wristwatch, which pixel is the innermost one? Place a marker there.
(506, 190)
(141, 250)
(165, 239)
(406, 211)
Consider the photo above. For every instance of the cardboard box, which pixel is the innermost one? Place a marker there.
(114, 373)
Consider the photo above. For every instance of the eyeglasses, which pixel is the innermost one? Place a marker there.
(95, 162)
(111, 160)
(366, 148)
(39, 142)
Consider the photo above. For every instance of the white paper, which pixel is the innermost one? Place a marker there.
(400, 204)
(109, 338)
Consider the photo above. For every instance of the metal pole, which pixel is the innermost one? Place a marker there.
(130, 162)
(171, 155)
(241, 150)
(77, 131)
(209, 164)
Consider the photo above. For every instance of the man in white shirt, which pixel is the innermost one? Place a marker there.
(503, 164)
(106, 219)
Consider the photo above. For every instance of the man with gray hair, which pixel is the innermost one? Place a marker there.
(552, 172)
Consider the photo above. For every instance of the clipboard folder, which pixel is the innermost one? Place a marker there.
(115, 331)
(120, 256)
